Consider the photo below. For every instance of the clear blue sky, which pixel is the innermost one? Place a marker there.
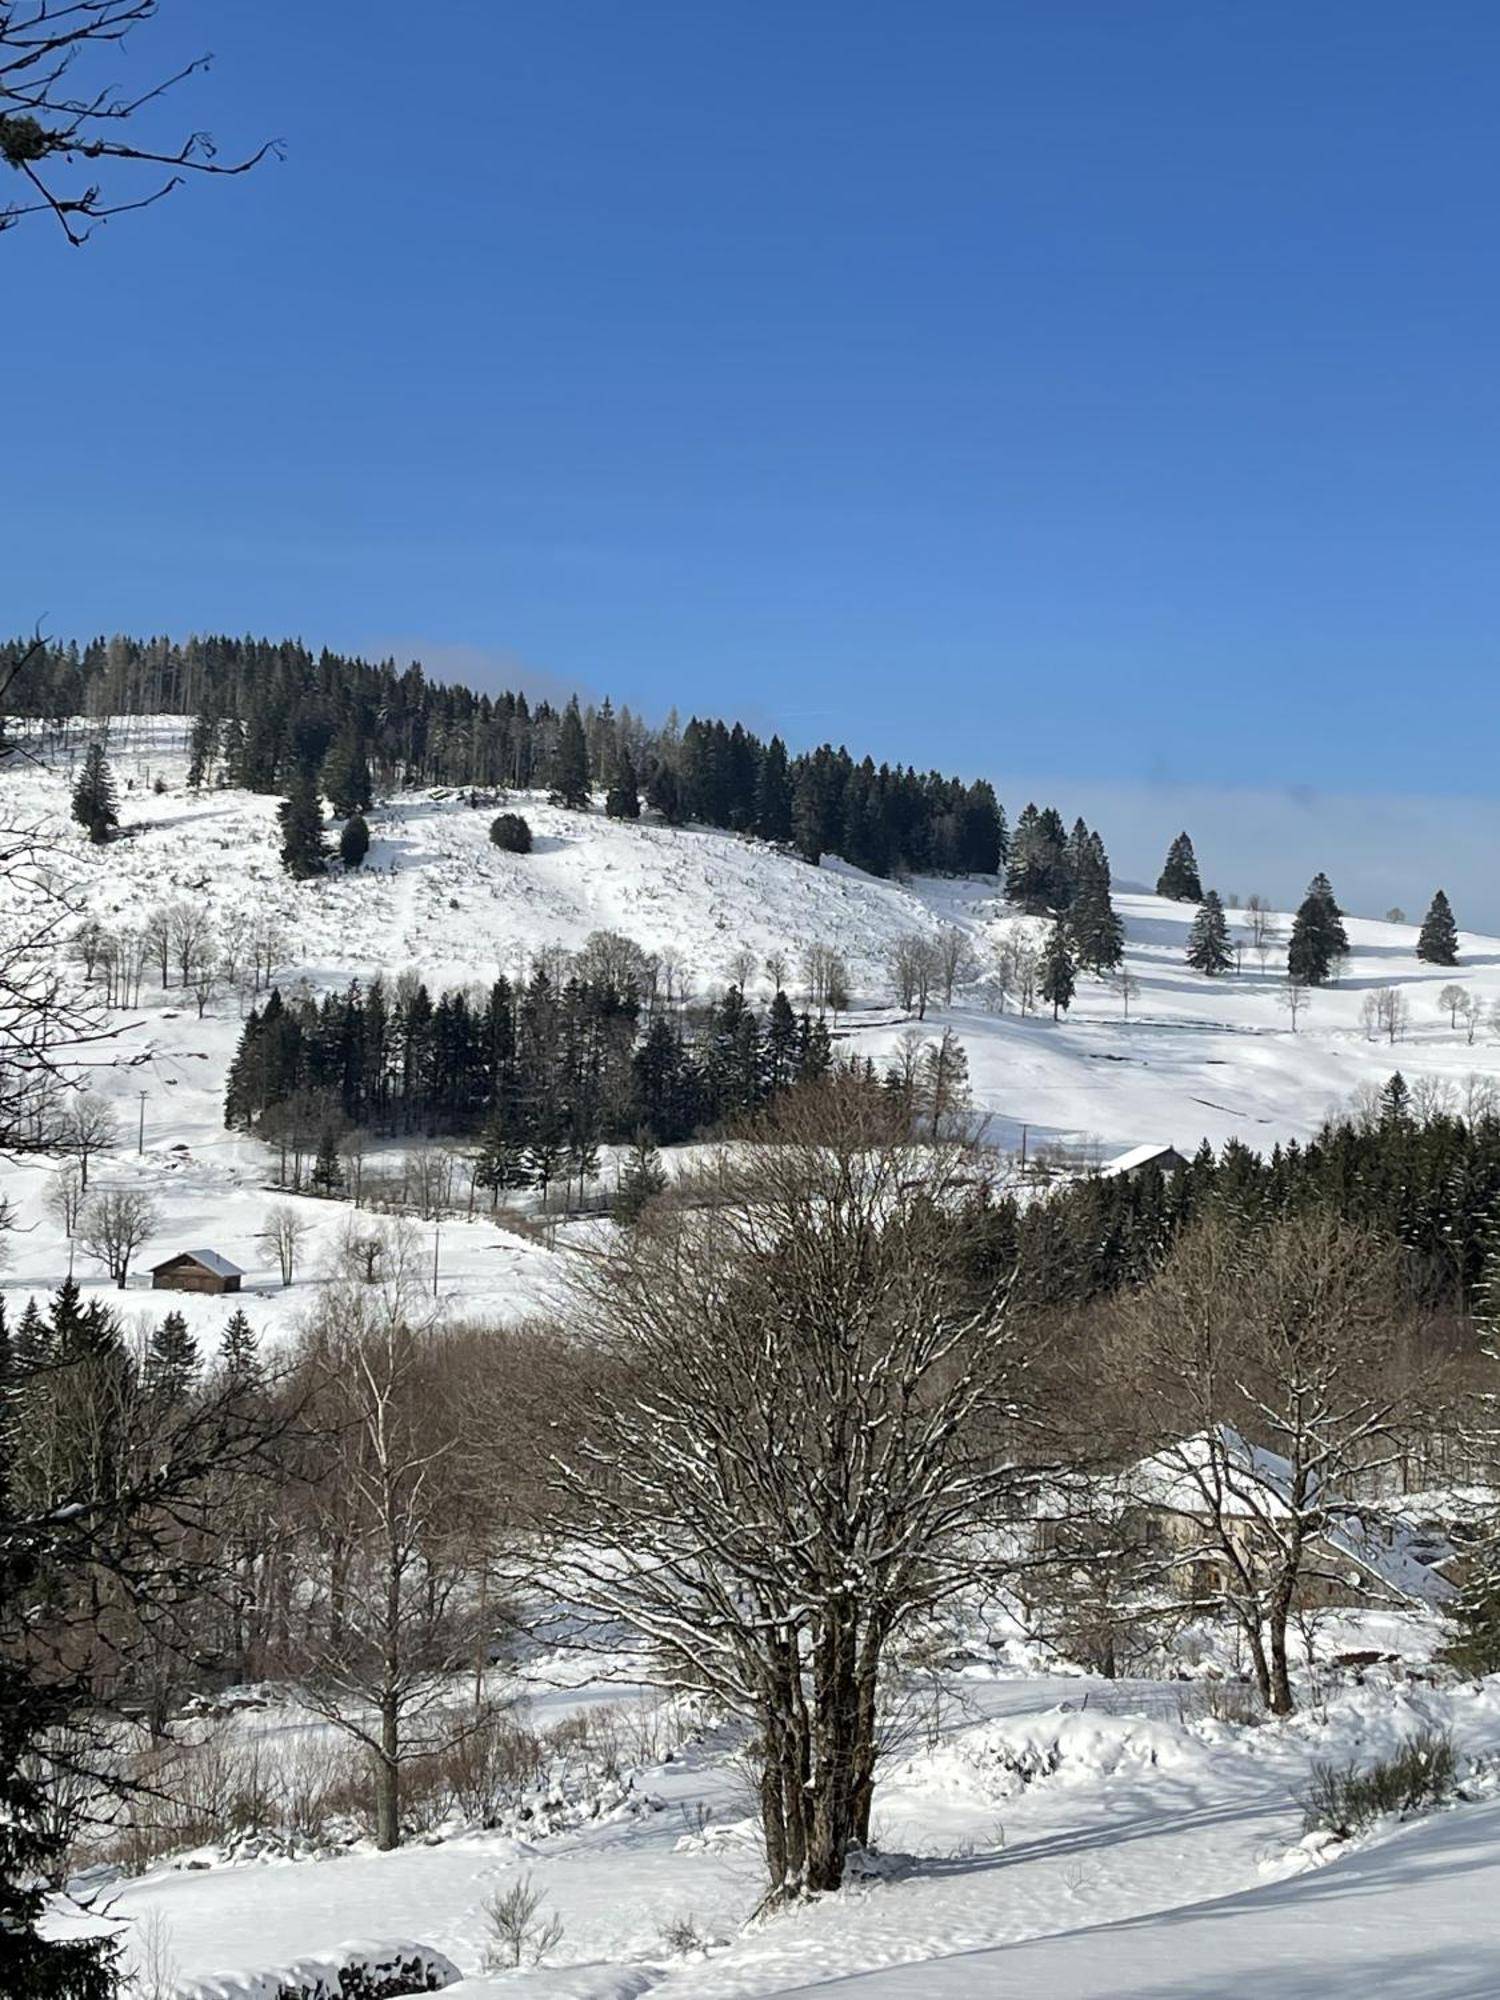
(1105, 389)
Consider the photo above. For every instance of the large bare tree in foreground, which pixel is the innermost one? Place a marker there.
(805, 1435)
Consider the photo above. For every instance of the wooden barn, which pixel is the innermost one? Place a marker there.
(196, 1271)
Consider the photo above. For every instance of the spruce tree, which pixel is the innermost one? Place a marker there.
(1179, 876)
(623, 799)
(346, 775)
(570, 764)
(1098, 933)
(1437, 943)
(1208, 946)
(641, 1179)
(327, 1173)
(239, 1351)
(38, 1698)
(1058, 977)
(773, 794)
(1318, 939)
(354, 841)
(94, 805)
(304, 851)
(171, 1357)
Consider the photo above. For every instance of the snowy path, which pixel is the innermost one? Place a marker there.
(1414, 1918)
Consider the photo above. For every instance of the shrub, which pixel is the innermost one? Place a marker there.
(1343, 1799)
(511, 833)
(354, 841)
(523, 1935)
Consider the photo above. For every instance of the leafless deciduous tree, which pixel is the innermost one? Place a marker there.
(1265, 933)
(805, 1433)
(1471, 1007)
(64, 1198)
(284, 1232)
(1294, 999)
(827, 977)
(742, 968)
(87, 1127)
(113, 1225)
(1127, 986)
(65, 124)
(956, 961)
(776, 966)
(400, 1619)
(914, 967)
(1386, 1012)
(1269, 1378)
(1451, 999)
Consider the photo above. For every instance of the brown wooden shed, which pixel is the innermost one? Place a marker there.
(196, 1271)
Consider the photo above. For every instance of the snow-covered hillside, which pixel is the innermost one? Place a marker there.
(1041, 1834)
(1196, 1058)
(1128, 1847)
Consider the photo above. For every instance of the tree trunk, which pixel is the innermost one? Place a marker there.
(388, 1778)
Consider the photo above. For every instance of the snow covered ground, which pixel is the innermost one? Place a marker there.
(1159, 1857)
(1047, 1834)
(1196, 1058)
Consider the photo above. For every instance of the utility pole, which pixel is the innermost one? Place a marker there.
(140, 1129)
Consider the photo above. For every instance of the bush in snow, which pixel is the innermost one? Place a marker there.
(352, 1972)
(1344, 1800)
(523, 1933)
(511, 833)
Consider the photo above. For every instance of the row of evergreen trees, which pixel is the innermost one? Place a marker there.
(73, 1333)
(276, 718)
(539, 1069)
(1428, 1183)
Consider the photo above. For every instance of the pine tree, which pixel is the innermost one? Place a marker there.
(1179, 876)
(354, 841)
(304, 851)
(1208, 946)
(1098, 933)
(623, 799)
(327, 1173)
(37, 1701)
(346, 775)
(94, 805)
(1318, 939)
(773, 794)
(570, 764)
(641, 1179)
(171, 1357)
(204, 748)
(239, 1351)
(31, 1343)
(1438, 942)
(1058, 977)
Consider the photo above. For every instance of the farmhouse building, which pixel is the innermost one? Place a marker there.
(196, 1271)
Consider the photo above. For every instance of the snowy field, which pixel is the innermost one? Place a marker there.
(1197, 1058)
(1032, 1845)
(1040, 1835)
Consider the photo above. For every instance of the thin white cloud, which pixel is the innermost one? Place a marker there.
(489, 669)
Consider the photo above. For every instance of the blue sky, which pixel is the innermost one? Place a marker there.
(1102, 390)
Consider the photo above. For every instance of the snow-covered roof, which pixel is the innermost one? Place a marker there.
(1246, 1481)
(1139, 1156)
(209, 1259)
